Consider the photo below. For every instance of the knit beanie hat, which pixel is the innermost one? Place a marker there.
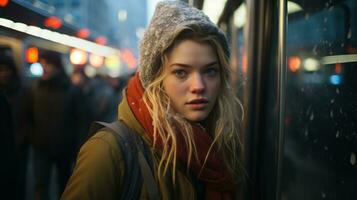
(169, 16)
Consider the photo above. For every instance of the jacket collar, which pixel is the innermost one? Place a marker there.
(127, 116)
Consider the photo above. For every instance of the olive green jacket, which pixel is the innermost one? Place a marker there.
(99, 170)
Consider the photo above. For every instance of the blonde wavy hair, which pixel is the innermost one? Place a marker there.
(222, 123)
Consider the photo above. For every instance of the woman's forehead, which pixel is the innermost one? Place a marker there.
(191, 51)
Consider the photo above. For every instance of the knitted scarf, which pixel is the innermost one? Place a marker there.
(215, 176)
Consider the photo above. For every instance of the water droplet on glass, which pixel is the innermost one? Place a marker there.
(332, 101)
(341, 110)
(342, 44)
(307, 16)
(306, 132)
(349, 35)
(326, 148)
(353, 158)
(325, 19)
(331, 113)
(337, 91)
(312, 116)
(323, 195)
(314, 50)
(338, 134)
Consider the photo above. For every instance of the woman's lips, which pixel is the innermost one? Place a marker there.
(197, 103)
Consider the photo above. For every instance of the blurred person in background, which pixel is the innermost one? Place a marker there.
(53, 110)
(9, 77)
(99, 100)
(11, 85)
(7, 150)
(183, 110)
(103, 99)
(119, 84)
(83, 82)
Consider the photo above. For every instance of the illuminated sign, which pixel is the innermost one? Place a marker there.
(31, 55)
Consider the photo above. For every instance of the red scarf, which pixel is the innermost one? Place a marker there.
(218, 181)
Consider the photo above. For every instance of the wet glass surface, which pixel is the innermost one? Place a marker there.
(320, 129)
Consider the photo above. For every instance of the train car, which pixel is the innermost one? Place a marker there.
(26, 35)
(24, 50)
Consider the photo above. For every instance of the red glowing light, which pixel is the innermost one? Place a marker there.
(3, 3)
(53, 22)
(31, 55)
(294, 63)
(129, 58)
(101, 40)
(338, 68)
(83, 33)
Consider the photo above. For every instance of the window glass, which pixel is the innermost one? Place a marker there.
(320, 149)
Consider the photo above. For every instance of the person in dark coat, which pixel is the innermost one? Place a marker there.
(53, 110)
(99, 100)
(7, 149)
(12, 86)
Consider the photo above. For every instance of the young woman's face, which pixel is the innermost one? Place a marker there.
(192, 79)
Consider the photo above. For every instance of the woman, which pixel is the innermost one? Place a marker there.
(181, 104)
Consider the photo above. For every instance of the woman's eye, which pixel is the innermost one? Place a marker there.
(212, 71)
(179, 73)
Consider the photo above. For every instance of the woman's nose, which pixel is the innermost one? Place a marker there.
(197, 84)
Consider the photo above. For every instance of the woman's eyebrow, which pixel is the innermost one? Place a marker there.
(187, 65)
(180, 65)
(211, 64)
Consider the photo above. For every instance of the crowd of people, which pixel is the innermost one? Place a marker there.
(48, 118)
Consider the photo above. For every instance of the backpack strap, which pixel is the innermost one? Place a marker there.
(136, 157)
(132, 180)
(147, 174)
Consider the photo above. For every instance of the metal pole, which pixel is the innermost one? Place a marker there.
(281, 56)
(265, 105)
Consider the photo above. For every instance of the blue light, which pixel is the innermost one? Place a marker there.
(335, 79)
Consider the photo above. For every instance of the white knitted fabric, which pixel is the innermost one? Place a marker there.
(168, 17)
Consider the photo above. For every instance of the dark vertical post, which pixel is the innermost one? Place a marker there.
(281, 57)
(264, 100)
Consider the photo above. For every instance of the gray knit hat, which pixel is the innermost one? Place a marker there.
(170, 16)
